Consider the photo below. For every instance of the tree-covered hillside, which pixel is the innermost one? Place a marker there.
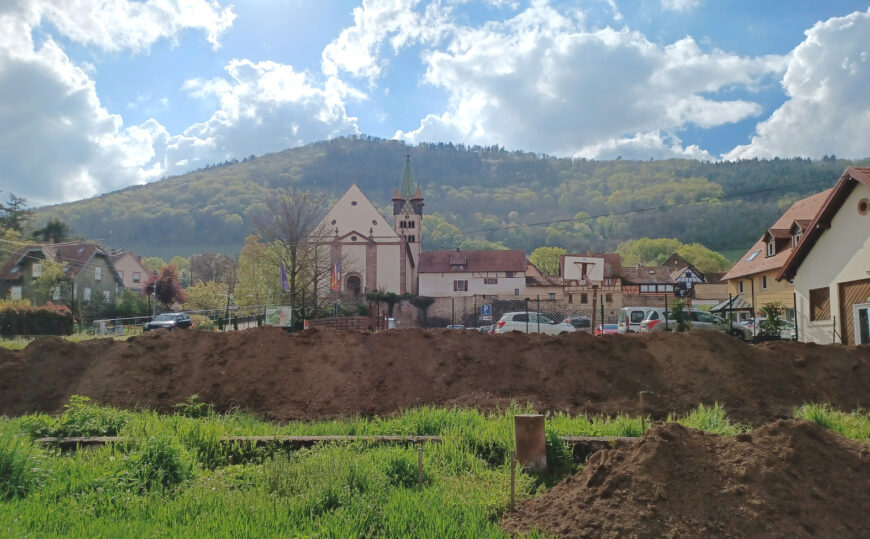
(474, 197)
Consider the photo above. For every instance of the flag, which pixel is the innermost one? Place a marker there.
(336, 277)
(284, 284)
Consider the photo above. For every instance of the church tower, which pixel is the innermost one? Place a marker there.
(408, 211)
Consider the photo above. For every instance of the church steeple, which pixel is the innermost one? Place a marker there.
(407, 180)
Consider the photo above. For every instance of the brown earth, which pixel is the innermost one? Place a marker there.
(787, 479)
(323, 373)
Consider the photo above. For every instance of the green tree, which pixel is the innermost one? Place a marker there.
(206, 295)
(678, 315)
(773, 323)
(547, 259)
(130, 305)
(55, 230)
(654, 252)
(14, 214)
(153, 263)
(50, 279)
(258, 276)
(703, 258)
(469, 244)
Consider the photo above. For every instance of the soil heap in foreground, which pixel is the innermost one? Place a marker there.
(321, 373)
(790, 478)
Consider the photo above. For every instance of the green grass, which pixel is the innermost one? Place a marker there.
(174, 479)
(854, 425)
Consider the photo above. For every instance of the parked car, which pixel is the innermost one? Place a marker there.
(607, 329)
(579, 322)
(531, 322)
(168, 321)
(657, 319)
(630, 318)
(485, 329)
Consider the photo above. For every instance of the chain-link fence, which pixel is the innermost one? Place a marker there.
(600, 313)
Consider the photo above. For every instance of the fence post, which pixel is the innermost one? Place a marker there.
(538, 308)
(513, 476)
(666, 312)
(420, 467)
(527, 315)
(794, 302)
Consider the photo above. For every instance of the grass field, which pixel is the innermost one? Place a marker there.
(174, 479)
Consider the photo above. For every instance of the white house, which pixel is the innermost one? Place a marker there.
(830, 266)
(472, 273)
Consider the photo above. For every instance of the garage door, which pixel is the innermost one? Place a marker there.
(851, 293)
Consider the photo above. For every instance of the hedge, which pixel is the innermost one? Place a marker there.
(26, 320)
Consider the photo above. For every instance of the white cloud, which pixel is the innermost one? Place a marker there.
(121, 24)
(58, 142)
(357, 50)
(642, 146)
(680, 5)
(827, 109)
(264, 107)
(542, 82)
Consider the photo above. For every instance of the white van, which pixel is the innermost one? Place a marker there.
(630, 318)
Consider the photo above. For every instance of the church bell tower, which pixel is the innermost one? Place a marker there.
(408, 211)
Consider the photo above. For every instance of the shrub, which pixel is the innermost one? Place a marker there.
(194, 408)
(24, 319)
(773, 322)
(678, 315)
(81, 418)
(19, 466)
(161, 462)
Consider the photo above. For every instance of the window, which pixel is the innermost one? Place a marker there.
(608, 281)
(797, 239)
(121, 274)
(645, 288)
(521, 317)
(490, 280)
(460, 286)
(509, 274)
(37, 270)
(107, 296)
(584, 298)
(412, 224)
(411, 239)
(752, 256)
(86, 294)
(608, 298)
(771, 248)
(764, 282)
(820, 304)
(137, 276)
(551, 296)
(740, 286)
(16, 292)
(98, 274)
(516, 291)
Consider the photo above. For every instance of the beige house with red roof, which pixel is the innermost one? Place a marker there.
(830, 266)
(753, 277)
(458, 273)
(130, 268)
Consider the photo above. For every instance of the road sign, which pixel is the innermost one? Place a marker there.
(486, 312)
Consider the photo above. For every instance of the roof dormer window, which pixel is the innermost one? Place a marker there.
(797, 239)
(771, 248)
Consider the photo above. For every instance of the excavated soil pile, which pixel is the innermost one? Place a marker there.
(323, 373)
(787, 479)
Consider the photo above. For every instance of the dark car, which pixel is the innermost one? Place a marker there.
(579, 322)
(169, 321)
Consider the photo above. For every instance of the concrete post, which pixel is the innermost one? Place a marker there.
(531, 442)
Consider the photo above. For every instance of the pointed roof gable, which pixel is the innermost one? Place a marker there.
(755, 259)
(354, 212)
(835, 198)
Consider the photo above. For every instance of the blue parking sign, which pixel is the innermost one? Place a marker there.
(486, 310)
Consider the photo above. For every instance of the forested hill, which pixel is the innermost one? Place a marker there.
(473, 195)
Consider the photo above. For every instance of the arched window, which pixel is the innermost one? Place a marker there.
(354, 285)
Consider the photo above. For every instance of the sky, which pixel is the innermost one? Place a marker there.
(97, 95)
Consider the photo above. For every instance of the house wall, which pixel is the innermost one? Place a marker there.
(129, 264)
(437, 285)
(776, 290)
(26, 280)
(87, 279)
(389, 267)
(841, 254)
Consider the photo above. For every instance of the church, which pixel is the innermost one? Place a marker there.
(369, 253)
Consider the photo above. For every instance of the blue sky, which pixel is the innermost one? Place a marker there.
(101, 94)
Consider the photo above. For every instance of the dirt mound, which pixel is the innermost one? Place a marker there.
(323, 373)
(787, 479)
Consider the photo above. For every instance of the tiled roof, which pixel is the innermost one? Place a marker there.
(713, 278)
(748, 264)
(646, 274)
(737, 303)
(472, 261)
(822, 219)
(74, 256)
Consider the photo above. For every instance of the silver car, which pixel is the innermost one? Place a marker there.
(531, 322)
(657, 319)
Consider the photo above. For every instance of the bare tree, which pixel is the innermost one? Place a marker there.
(294, 237)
